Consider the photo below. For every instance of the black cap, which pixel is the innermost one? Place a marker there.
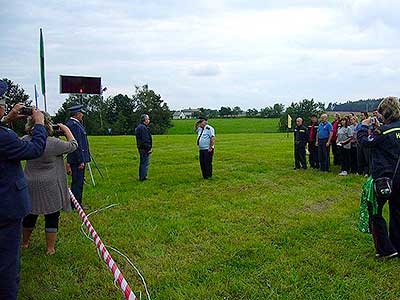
(203, 118)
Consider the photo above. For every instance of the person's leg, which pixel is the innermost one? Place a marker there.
(78, 179)
(353, 159)
(394, 211)
(346, 158)
(28, 225)
(144, 164)
(367, 159)
(316, 158)
(208, 164)
(336, 154)
(327, 156)
(311, 159)
(302, 155)
(203, 157)
(296, 156)
(320, 155)
(10, 242)
(383, 245)
(51, 228)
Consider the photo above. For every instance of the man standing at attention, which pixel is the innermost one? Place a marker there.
(77, 160)
(324, 137)
(312, 149)
(144, 144)
(206, 142)
(300, 141)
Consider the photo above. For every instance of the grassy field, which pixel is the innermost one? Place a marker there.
(222, 126)
(258, 230)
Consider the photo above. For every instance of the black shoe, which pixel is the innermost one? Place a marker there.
(295, 168)
(143, 179)
(388, 256)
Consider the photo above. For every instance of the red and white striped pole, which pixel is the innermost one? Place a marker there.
(112, 266)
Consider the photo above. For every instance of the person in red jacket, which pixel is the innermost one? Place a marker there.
(335, 150)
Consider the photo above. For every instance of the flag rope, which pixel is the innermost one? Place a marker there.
(112, 266)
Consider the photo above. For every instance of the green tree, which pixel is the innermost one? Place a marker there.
(16, 94)
(303, 109)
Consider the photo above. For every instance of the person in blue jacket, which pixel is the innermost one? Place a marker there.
(77, 160)
(144, 144)
(14, 199)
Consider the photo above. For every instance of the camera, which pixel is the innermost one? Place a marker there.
(26, 111)
(57, 131)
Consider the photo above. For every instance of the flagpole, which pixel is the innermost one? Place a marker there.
(36, 97)
(42, 70)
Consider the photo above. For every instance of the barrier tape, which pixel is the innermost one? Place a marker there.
(112, 266)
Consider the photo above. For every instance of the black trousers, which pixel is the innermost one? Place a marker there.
(363, 158)
(353, 159)
(387, 243)
(206, 163)
(323, 155)
(300, 155)
(345, 156)
(51, 221)
(313, 150)
(78, 180)
(10, 240)
(336, 151)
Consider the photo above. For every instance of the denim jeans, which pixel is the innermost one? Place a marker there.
(144, 163)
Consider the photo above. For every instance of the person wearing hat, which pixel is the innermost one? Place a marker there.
(144, 143)
(14, 199)
(77, 160)
(205, 142)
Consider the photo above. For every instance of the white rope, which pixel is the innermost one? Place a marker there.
(115, 249)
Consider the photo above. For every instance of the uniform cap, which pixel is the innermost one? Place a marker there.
(76, 108)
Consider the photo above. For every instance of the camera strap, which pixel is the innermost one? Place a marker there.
(201, 133)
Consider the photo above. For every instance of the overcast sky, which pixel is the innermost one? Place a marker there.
(209, 53)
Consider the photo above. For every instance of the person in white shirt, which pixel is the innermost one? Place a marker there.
(205, 142)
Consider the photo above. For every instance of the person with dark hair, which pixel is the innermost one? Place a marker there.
(47, 183)
(205, 142)
(384, 144)
(14, 199)
(344, 137)
(144, 142)
(312, 148)
(77, 160)
(335, 150)
(363, 152)
(300, 142)
(324, 138)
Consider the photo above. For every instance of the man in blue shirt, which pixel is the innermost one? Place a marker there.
(14, 194)
(206, 142)
(77, 160)
(324, 136)
(144, 143)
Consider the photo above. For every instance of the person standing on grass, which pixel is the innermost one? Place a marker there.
(14, 194)
(324, 137)
(300, 142)
(353, 149)
(205, 142)
(384, 144)
(363, 152)
(77, 160)
(144, 142)
(335, 151)
(312, 149)
(47, 183)
(344, 138)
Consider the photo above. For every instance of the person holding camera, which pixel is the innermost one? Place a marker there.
(344, 138)
(77, 160)
(384, 144)
(47, 182)
(144, 142)
(14, 200)
(205, 142)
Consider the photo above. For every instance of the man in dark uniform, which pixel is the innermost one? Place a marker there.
(14, 199)
(144, 144)
(312, 135)
(300, 141)
(77, 160)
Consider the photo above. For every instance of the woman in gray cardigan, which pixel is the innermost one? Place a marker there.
(47, 183)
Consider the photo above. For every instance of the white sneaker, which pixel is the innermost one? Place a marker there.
(343, 173)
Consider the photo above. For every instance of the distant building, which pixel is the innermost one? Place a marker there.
(185, 114)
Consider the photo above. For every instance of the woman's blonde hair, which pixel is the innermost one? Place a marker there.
(389, 108)
(48, 124)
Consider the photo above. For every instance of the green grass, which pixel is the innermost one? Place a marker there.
(258, 230)
(234, 125)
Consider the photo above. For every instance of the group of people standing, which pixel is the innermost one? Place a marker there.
(342, 136)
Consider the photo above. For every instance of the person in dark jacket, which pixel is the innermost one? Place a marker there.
(335, 150)
(300, 142)
(312, 149)
(363, 152)
(14, 199)
(144, 144)
(77, 160)
(384, 146)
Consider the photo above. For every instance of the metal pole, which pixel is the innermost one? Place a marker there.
(91, 174)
